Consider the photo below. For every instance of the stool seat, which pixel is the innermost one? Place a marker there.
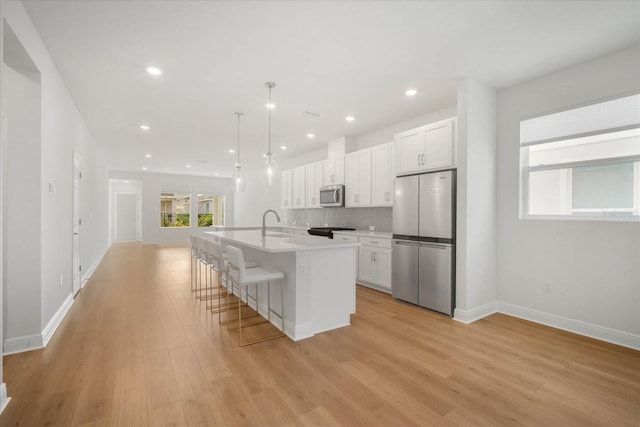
(242, 277)
(261, 274)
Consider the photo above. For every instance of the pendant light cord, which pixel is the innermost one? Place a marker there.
(238, 133)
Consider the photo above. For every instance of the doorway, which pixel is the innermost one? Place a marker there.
(126, 224)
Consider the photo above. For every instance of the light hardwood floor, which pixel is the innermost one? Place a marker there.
(137, 349)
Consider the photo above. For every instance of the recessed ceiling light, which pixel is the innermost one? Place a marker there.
(216, 174)
(411, 92)
(264, 155)
(154, 71)
(231, 150)
(349, 118)
(144, 168)
(270, 105)
(144, 127)
(283, 147)
(126, 182)
(148, 156)
(188, 166)
(310, 135)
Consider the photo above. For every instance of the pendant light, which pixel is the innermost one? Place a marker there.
(237, 181)
(271, 172)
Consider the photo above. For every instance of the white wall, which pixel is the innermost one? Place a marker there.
(249, 205)
(593, 266)
(62, 132)
(150, 215)
(476, 280)
(22, 211)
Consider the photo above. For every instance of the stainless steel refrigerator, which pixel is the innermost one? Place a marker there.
(423, 257)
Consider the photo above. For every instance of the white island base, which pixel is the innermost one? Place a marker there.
(319, 278)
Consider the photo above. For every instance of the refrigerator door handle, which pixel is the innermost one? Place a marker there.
(402, 242)
(435, 245)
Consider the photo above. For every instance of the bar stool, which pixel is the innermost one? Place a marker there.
(238, 274)
(218, 263)
(194, 261)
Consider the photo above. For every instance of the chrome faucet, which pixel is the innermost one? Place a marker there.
(264, 217)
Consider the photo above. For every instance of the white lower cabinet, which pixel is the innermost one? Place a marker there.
(374, 263)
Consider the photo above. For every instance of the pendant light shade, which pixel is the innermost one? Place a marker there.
(271, 171)
(237, 180)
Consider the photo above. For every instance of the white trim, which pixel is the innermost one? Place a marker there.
(87, 274)
(477, 313)
(602, 333)
(4, 399)
(298, 332)
(55, 321)
(21, 344)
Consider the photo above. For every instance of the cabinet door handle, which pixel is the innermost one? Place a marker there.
(374, 257)
(418, 159)
(371, 256)
(374, 243)
(422, 160)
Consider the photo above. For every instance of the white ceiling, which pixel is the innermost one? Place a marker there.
(333, 58)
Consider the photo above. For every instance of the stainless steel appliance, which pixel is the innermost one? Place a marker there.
(326, 231)
(332, 196)
(423, 257)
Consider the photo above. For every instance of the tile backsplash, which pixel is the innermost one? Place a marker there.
(358, 218)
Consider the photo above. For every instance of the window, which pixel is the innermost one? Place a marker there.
(210, 210)
(583, 162)
(175, 208)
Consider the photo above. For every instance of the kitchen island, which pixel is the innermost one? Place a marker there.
(319, 277)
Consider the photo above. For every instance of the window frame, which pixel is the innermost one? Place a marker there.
(525, 170)
(181, 191)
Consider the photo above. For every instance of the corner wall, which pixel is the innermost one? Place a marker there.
(593, 266)
(476, 280)
(63, 132)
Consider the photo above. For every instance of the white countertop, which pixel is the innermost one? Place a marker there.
(366, 233)
(275, 242)
(257, 227)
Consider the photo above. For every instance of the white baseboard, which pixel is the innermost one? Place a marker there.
(4, 399)
(55, 321)
(21, 344)
(37, 341)
(602, 333)
(477, 313)
(89, 272)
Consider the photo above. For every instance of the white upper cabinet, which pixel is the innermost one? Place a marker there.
(428, 147)
(313, 173)
(298, 188)
(358, 179)
(333, 171)
(285, 189)
(382, 175)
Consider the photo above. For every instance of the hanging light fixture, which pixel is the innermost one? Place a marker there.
(237, 181)
(271, 171)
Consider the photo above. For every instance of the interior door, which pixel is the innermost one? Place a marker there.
(76, 267)
(126, 217)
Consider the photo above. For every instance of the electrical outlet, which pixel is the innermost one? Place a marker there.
(61, 280)
(546, 287)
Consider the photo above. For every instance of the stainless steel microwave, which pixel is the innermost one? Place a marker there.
(332, 196)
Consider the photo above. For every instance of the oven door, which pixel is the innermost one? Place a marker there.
(332, 196)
